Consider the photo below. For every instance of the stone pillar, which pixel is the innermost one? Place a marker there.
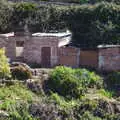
(54, 56)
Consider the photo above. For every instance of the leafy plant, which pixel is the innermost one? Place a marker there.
(21, 73)
(4, 65)
(70, 82)
(113, 81)
(106, 93)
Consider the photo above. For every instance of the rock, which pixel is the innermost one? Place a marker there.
(3, 114)
(45, 111)
(14, 64)
(34, 85)
(116, 107)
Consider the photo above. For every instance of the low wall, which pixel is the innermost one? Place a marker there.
(109, 58)
(89, 58)
(106, 58)
(10, 47)
(69, 56)
(74, 57)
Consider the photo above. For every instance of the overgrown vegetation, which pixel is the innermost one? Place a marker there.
(78, 1)
(4, 65)
(113, 82)
(67, 94)
(15, 100)
(70, 82)
(21, 73)
(74, 94)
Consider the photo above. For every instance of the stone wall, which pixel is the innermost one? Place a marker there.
(10, 47)
(33, 46)
(89, 58)
(109, 58)
(104, 58)
(69, 56)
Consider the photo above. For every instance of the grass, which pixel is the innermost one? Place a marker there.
(62, 102)
(106, 93)
(15, 100)
(16, 92)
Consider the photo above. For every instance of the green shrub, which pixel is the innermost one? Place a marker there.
(62, 102)
(113, 80)
(88, 116)
(21, 73)
(89, 79)
(70, 82)
(4, 65)
(106, 93)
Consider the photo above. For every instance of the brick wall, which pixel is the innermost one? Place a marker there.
(69, 56)
(109, 58)
(89, 58)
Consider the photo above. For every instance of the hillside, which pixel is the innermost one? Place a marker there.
(30, 100)
(68, 1)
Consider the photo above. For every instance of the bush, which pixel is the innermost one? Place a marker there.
(21, 73)
(70, 82)
(113, 80)
(106, 93)
(91, 25)
(5, 16)
(4, 65)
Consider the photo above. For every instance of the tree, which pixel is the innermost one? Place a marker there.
(5, 16)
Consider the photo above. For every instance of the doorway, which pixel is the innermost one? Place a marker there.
(46, 57)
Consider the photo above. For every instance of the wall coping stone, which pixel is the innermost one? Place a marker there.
(107, 46)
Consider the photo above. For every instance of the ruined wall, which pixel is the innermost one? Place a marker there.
(105, 58)
(33, 46)
(89, 58)
(10, 47)
(109, 58)
(69, 56)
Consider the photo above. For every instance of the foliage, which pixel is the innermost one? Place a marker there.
(91, 25)
(88, 116)
(113, 81)
(21, 73)
(69, 82)
(37, 18)
(21, 14)
(62, 102)
(14, 92)
(4, 65)
(78, 1)
(5, 16)
(15, 100)
(106, 93)
(22, 104)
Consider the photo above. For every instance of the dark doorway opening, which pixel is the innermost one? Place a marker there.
(46, 57)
